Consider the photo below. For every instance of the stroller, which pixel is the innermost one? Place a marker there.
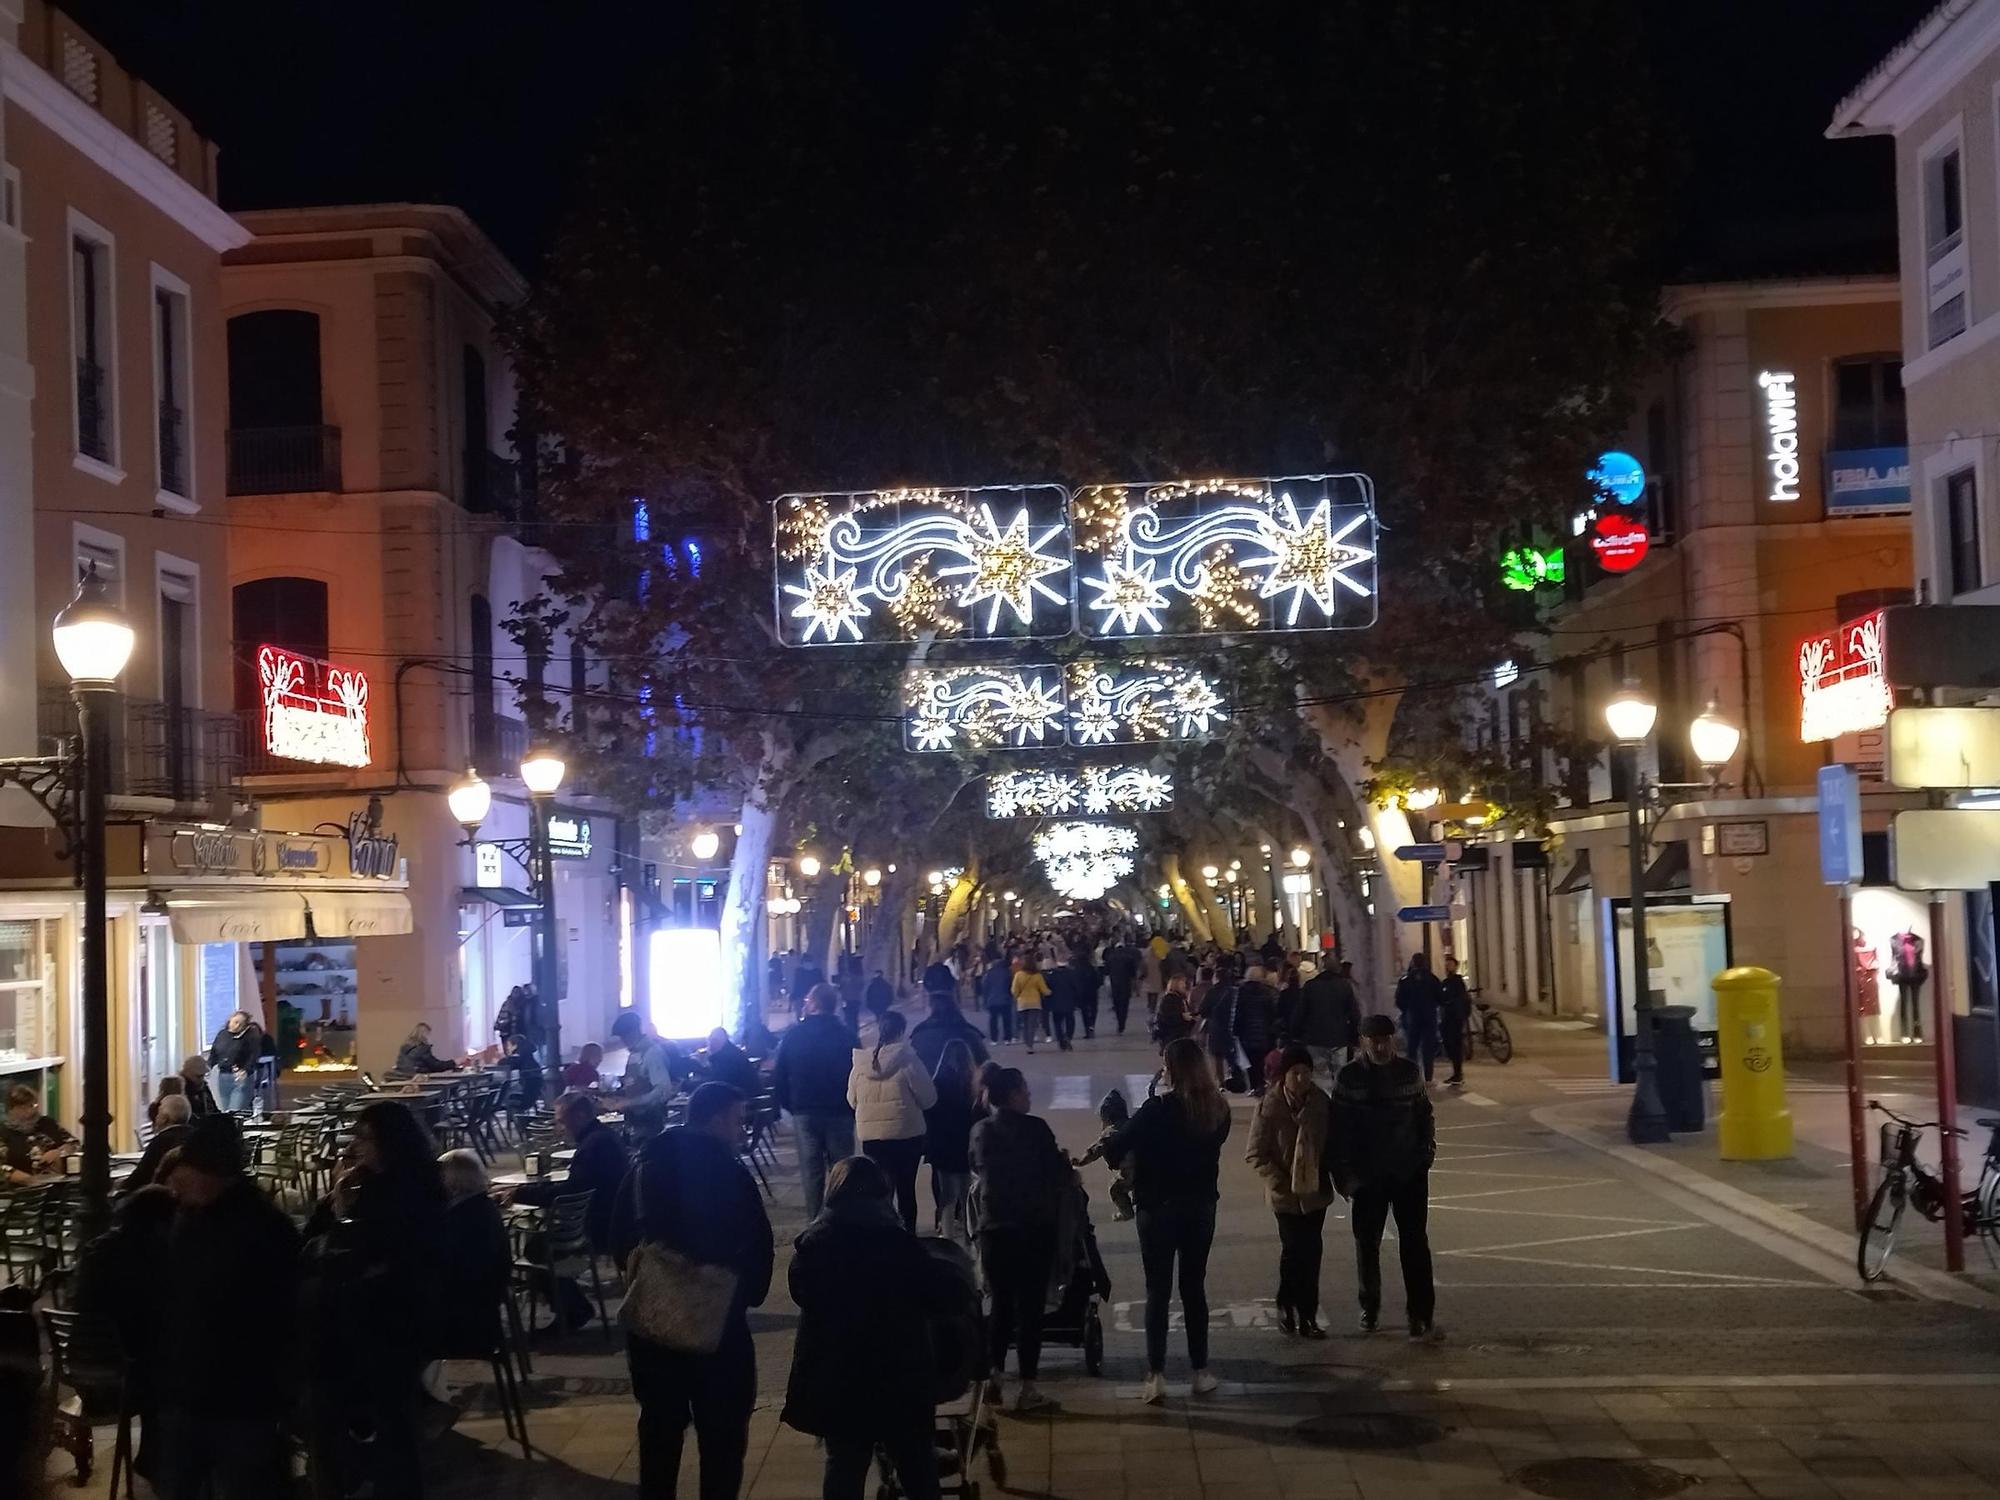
(1079, 1285)
(962, 1426)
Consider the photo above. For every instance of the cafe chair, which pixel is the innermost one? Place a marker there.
(95, 1374)
(566, 1237)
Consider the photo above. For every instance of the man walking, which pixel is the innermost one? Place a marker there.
(1384, 1139)
(1121, 967)
(1419, 998)
(1454, 1015)
(815, 1055)
(1326, 1017)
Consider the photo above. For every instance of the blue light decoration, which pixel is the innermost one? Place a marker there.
(1621, 476)
(693, 550)
(642, 520)
(888, 565)
(1227, 556)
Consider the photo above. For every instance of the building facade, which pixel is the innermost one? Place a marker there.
(377, 514)
(1759, 500)
(1938, 96)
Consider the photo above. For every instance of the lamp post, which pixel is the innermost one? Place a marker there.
(1630, 716)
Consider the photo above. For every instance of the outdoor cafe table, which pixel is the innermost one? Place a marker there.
(522, 1179)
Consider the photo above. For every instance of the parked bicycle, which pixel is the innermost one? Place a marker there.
(1908, 1183)
(1485, 1028)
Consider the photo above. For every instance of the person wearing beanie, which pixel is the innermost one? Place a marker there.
(1384, 1140)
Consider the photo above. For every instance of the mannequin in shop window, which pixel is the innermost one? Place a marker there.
(1867, 977)
(1907, 972)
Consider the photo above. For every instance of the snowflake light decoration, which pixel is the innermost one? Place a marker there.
(1171, 564)
(1084, 860)
(900, 564)
(978, 708)
(1118, 703)
(1094, 789)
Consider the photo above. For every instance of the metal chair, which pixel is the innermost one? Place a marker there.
(97, 1375)
(566, 1234)
(24, 1240)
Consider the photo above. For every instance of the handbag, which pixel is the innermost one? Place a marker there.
(671, 1300)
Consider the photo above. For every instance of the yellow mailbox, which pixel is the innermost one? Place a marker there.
(1755, 1124)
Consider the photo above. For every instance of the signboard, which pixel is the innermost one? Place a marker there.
(1743, 838)
(1621, 476)
(1839, 825)
(1945, 849)
(1431, 854)
(1620, 544)
(203, 850)
(1842, 686)
(1867, 481)
(313, 711)
(1528, 568)
(1944, 747)
(486, 871)
(569, 836)
(1429, 913)
(1780, 410)
(1687, 945)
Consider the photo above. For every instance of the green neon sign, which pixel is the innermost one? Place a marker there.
(1528, 568)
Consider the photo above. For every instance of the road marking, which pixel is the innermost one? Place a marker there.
(1070, 1091)
(1721, 1278)
(1576, 1239)
(1479, 1099)
(1136, 1085)
(1687, 1382)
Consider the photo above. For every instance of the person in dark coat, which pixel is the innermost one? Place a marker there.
(1325, 1019)
(1218, 1028)
(725, 1062)
(945, 1024)
(525, 1086)
(416, 1056)
(864, 1282)
(1062, 1001)
(1084, 984)
(948, 1137)
(996, 989)
(234, 1056)
(1172, 1018)
(1382, 1142)
(939, 980)
(815, 1057)
(880, 996)
(31, 1143)
(1121, 968)
(117, 1304)
(1256, 1022)
(1020, 1175)
(1454, 1015)
(691, 1193)
(1419, 1001)
(598, 1168)
(170, 1132)
(472, 1243)
(194, 1083)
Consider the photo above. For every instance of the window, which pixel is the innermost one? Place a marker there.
(287, 612)
(279, 443)
(10, 197)
(1662, 464)
(1868, 403)
(104, 551)
(27, 974)
(485, 729)
(180, 673)
(91, 320)
(170, 381)
(1944, 239)
(1961, 532)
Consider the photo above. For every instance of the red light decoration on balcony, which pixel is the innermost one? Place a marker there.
(1620, 545)
(1842, 686)
(313, 711)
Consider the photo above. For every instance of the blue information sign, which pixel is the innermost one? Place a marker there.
(1423, 914)
(1867, 481)
(1839, 825)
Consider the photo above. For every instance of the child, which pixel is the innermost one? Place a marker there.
(1112, 1113)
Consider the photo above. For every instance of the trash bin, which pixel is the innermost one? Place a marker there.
(1677, 1057)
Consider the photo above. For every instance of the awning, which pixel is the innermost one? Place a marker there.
(1578, 878)
(235, 917)
(1670, 870)
(500, 895)
(359, 914)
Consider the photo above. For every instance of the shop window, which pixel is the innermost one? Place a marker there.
(27, 1009)
(1868, 403)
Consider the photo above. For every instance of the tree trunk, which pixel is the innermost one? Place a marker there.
(1197, 918)
(743, 907)
(823, 895)
(882, 949)
(957, 902)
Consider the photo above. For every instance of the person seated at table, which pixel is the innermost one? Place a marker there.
(583, 1074)
(31, 1143)
(194, 1083)
(415, 1055)
(473, 1243)
(725, 1062)
(598, 1168)
(171, 1087)
(170, 1130)
(525, 1087)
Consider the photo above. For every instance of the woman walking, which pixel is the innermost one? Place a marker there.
(1288, 1149)
(1175, 1144)
(1030, 991)
(948, 1138)
(889, 1091)
(1021, 1175)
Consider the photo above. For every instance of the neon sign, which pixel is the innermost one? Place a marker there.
(1620, 545)
(313, 711)
(1842, 686)
(1528, 568)
(1781, 424)
(1621, 476)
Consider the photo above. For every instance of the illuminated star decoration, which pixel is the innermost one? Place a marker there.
(1084, 860)
(1128, 597)
(1308, 559)
(1134, 702)
(829, 603)
(1095, 789)
(981, 707)
(1006, 567)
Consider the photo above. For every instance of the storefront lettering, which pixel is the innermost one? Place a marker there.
(1781, 423)
(216, 852)
(369, 853)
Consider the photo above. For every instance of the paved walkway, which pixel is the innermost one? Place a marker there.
(1595, 1309)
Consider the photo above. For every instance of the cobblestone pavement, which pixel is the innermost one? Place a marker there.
(1594, 1310)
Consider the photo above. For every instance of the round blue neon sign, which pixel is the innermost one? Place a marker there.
(1621, 476)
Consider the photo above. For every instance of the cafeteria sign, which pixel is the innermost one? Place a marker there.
(313, 711)
(569, 836)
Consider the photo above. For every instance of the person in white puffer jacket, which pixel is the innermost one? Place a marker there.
(890, 1089)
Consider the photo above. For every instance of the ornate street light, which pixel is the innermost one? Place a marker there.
(470, 800)
(1713, 739)
(542, 771)
(704, 844)
(1629, 715)
(808, 865)
(1300, 859)
(871, 877)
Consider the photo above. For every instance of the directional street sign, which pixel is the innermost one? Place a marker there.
(1431, 854)
(1424, 913)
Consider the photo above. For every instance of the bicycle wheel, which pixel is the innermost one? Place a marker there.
(1878, 1230)
(1986, 1219)
(1499, 1040)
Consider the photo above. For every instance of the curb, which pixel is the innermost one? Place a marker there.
(1816, 1240)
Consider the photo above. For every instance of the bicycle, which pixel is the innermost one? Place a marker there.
(1485, 1028)
(1907, 1182)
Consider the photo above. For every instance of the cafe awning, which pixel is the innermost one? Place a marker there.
(359, 914)
(502, 896)
(196, 917)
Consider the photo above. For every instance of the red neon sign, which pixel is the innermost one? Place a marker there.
(313, 711)
(1842, 686)
(1620, 545)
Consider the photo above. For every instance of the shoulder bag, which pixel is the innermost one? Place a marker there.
(671, 1300)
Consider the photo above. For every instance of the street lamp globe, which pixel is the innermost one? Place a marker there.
(1300, 859)
(1713, 738)
(93, 639)
(1417, 799)
(1231, 876)
(871, 877)
(705, 843)
(1010, 897)
(1208, 873)
(470, 800)
(936, 877)
(809, 865)
(542, 771)
(1630, 714)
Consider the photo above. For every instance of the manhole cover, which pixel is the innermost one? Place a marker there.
(1600, 1479)
(1369, 1429)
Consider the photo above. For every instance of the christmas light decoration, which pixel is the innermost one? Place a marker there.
(313, 711)
(978, 708)
(1171, 563)
(1117, 703)
(986, 563)
(1084, 860)
(1094, 789)
(1843, 687)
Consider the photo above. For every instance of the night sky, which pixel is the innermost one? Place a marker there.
(489, 106)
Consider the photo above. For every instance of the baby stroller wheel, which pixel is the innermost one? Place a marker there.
(1093, 1341)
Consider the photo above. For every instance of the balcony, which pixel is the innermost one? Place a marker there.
(93, 432)
(173, 449)
(284, 460)
(181, 754)
(492, 484)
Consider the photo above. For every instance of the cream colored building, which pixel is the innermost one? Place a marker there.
(1751, 544)
(1938, 96)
